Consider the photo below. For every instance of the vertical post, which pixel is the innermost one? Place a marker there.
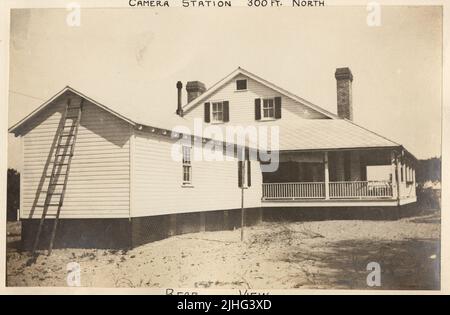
(394, 182)
(241, 180)
(242, 214)
(399, 177)
(326, 175)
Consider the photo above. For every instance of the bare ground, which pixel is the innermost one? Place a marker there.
(325, 254)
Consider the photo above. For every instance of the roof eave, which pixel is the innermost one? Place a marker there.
(16, 128)
(340, 149)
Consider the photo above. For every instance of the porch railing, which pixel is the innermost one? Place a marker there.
(360, 189)
(336, 190)
(303, 190)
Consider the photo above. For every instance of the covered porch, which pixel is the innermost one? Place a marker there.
(346, 177)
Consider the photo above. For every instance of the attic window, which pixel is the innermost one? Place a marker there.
(241, 85)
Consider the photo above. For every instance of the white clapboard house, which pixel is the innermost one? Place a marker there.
(111, 180)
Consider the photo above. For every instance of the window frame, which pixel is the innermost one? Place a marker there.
(270, 108)
(221, 111)
(246, 85)
(186, 165)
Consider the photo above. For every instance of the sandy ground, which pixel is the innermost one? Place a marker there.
(325, 254)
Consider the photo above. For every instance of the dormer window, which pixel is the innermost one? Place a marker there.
(241, 85)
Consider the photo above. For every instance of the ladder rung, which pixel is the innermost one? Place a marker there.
(67, 135)
(64, 154)
(61, 163)
(56, 184)
(47, 205)
(61, 174)
(70, 117)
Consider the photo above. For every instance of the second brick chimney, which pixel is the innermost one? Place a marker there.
(344, 79)
(194, 89)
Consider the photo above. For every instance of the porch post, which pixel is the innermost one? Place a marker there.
(327, 175)
(394, 178)
(398, 165)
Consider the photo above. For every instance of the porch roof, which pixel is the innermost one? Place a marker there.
(321, 134)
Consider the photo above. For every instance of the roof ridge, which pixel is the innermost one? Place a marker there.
(44, 105)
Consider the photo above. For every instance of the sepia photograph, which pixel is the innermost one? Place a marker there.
(198, 146)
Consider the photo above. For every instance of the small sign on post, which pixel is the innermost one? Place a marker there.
(244, 175)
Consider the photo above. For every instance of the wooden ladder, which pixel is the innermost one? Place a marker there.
(64, 149)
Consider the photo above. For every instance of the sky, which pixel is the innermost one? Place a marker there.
(134, 57)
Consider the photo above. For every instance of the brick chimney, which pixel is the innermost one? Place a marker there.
(194, 89)
(344, 79)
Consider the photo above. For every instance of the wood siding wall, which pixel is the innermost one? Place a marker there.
(242, 104)
(99, 180)
(157, 181)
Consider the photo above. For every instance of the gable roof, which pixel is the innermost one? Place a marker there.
(301, 135)
(162, 124)
(258, 79)
(16, 127)
(138, 118)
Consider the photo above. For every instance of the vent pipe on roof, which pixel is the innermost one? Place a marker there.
(179, 108)
(344, 79)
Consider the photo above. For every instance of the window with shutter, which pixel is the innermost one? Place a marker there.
(268, 108)
(220, 111)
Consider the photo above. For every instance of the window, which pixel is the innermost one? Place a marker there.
(268, 108)
(187, 166)
(217, 112)
(241, 85)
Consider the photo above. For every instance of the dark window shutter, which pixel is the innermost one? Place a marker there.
(277, 107)
(257, 109)
(226, 111)
(249, 174)
(207, 112)
(240, 174)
